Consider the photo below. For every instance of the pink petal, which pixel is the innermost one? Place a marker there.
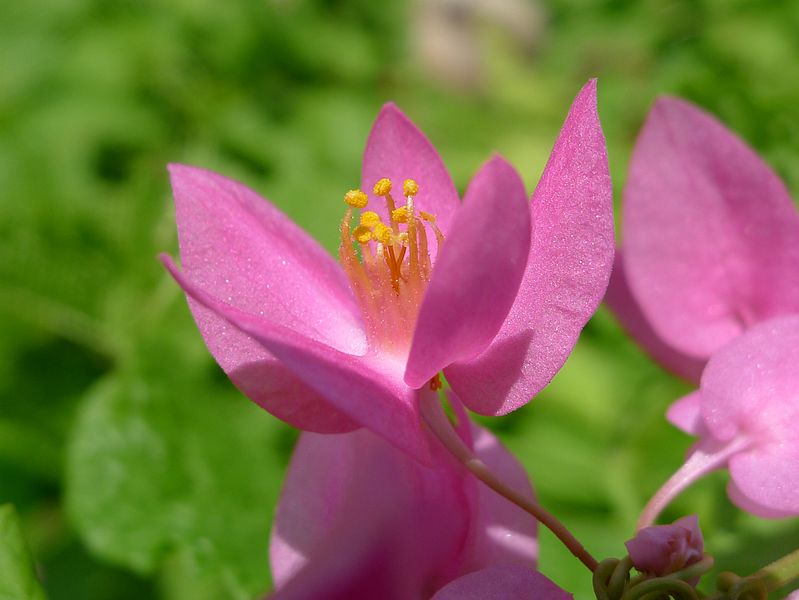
(711, 236)
(336, 482)
(768, 478)
(236, 245)
(686, 414)
(476, 276)
(506, 535)
(751, 386)
(620, 299)
(750, 391)
(368, 565)
(746, 503)
(370, 398)
(503, 583)
(571, 255)
(396, 149)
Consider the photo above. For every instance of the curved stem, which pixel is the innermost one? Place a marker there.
(439, 424)
(707, 457)
(696, 570)
(674, 588)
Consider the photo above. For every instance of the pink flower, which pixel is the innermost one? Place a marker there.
(711, 239)
(663, 549)
(359, 517)
(710, 265)
(745, 414)
(329, 348)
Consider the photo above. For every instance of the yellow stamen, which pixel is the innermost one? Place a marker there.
(424, 255)
(388, 263)
(362, 234)
(393, 267)
(369, 219)
(410, 187)
(413, 265)
(349, 260)
(356, 198)
(382, 187)
(383, 234)
(400, 215)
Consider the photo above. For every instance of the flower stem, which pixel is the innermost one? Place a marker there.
(439, 424)
(704, 459)
(781, 572)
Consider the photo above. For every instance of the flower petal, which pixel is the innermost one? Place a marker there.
(476, 276)
(711, 235)
(237, 246)
(751, 386)
(686, 414)
(335, 482)
(396, 149)
(368, 565)
(620, 299)
(571, 255)
(503, 583)
(750, 390)
(373, 400)
(744, 502)
(768, 480)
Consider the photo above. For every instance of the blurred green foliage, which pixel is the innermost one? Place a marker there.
(19, 578)
(139, 471)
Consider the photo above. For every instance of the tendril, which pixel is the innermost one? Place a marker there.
(612, 580)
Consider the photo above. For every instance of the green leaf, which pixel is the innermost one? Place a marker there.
(170, 469)
(17, 577)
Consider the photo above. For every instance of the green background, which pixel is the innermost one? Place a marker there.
(137, 469)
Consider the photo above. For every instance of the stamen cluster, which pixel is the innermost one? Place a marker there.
(388, 287)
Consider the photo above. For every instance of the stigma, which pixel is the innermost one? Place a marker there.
(388, 262)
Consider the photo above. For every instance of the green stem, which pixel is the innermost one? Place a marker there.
(695, 570)
(781, 572)
(675, 588)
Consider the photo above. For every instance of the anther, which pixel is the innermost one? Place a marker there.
(383, 233)
(400, 215)
(362, 234)
(356, 198)
(369, 219)
(430, 218)
(410, 187)
(383, 187)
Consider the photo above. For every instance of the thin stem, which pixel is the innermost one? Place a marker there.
(706, 457)
(781, 572)
(439, 424)
(695, 570)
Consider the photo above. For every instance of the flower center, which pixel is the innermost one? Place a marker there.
(388, 264)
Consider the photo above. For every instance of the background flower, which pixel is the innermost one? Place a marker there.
(711, 236)
(711, 250)
(432, 524)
